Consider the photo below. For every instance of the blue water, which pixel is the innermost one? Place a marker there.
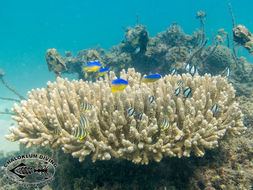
(29, 28)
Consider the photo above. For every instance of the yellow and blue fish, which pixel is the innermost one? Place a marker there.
(151, 78)
(103, 71)
(82, 130)
(118, 85)
(92, 66)
(85, 106)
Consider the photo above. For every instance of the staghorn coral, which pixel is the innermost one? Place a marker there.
(112, 133)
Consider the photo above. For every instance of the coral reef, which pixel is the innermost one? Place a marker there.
(55, 62)
(194, 124)
(221, 58)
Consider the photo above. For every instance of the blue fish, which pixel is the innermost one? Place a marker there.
(151, 78)
(92, 66)
(118, 85)
(103, 71)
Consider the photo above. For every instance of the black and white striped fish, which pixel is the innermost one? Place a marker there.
(193, 70)
(226, 72)
(139, 116)
(131, 112)
(174, 72)
(187, 68)
(177, 91)
(214, 108)
(151, 99)
(187, 93)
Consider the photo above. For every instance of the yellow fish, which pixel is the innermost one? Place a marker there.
(92, 66)
(151, 78)
(118, 85)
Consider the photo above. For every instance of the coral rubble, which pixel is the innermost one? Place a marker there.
(194, 124)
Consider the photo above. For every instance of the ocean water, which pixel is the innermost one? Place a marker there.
(29, 28)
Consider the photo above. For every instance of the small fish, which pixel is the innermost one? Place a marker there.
(187, 93)
(174, 72)
(193, 70)
(151, 99)
(92, 66)
(140, 116)
(151, 78)
(131, 112)
(190, 52)
(177, 91)
(118, 85)
(187, 68)
(180, 83)
(151, 42)
(226, 72)
(103, 71)
(165, 123)
(214, 108)
(57, 131)
(137, 50)
(82, 130)
(85, 106)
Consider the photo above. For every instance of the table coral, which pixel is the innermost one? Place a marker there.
(194, 126)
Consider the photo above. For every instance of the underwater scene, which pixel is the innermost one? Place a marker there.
(126, 95)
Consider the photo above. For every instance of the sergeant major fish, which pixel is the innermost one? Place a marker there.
(82, 130)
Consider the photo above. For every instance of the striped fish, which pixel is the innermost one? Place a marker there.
(85, 106)
(82, 130)
(187, 68)
(174, 72)
(193, 70)
(177, 91)
(226, 72)
(131, 111)
(140, 116)
(151, 99)
(165, 123)
(214, 108)
(57, 131)
(180, 83)
(187, 93)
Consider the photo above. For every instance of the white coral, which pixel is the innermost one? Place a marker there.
(112, 133)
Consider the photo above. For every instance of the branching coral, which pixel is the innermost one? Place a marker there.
(194, 126)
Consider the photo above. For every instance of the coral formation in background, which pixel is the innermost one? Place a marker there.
(195, 119)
